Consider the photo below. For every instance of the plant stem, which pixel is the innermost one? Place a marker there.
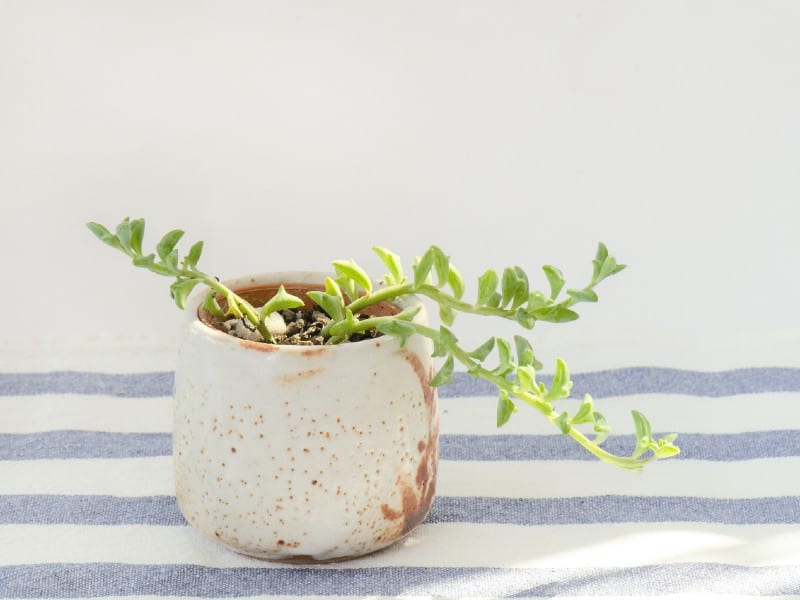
(395, 291)
(244, 306)
(532, 400)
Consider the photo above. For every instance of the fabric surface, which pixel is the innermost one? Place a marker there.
(87, 507)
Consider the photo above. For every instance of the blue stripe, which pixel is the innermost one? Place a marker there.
(696, 446)
(601, 384)
(163, 510)
(82, 444)
(106, 579)
(123, 385)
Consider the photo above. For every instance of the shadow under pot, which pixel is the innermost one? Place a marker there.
(302, 453)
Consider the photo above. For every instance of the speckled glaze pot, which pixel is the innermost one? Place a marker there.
(302, 453)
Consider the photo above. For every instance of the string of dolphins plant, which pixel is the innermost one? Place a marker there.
(509, 296)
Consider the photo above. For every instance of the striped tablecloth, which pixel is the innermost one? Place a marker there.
(87, 507)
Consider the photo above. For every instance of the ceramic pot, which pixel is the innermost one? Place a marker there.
(302, 453)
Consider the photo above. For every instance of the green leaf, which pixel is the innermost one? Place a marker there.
(233, 306)
(149, 262)
(604, 264)
(399, 329)
(447, 315)
(602, 253)
(494, 301)
(350, 270)
(171, 260)
(137, 235)
(608, 266)
(670, 438)
(348, 287)
(165, 247)
(104, 235)
(145, 262)
(586, 295)
(585, 413)
(333, 305)
(523, 288)
(556, 314)
(524, 351)
(509, 285)
(555, 278)
(441, 264)
(665, 450)
(507, 365)
(423, 267)
(504, 353)
(445, 374)
(642, 426)
(482, 351)
(524, 318)
(526, 377)
(644, 435)
(561, 386)
(474, 370)
(282, 300)
(346, 326)
(211, 305)
(562, 421)
(438, 348)
(487, 284)
(408, 313)
(601, 428)
(505, 408)
(456, 282)
(332, 288)
(194, 255)
(180, 290)
(537, 300)
(124, 235)
(446, 337)
(392, 262)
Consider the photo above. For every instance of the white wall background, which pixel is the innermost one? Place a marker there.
(288, 134)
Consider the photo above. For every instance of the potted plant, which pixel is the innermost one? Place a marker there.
(305, 410)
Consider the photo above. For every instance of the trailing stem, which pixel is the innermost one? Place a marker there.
(507, 295)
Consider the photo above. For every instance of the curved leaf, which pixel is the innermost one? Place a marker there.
(168, 243)
(350, 270)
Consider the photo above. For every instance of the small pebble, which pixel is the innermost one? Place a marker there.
(293, 327)
(320, 317)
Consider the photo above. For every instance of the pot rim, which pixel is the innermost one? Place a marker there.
(192, 320)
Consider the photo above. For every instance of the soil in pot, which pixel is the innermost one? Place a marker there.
(299, 327)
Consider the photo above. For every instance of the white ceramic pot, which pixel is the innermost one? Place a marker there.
(302, 453)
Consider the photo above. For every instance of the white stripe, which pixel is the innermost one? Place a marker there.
(468, 415)
(524, 479)
(52, 412)
(667, 413)
(475, 415)
(593, 346)
(100, 354)
(444, 545)
(558, 479)
(151, 476)
(584, 346)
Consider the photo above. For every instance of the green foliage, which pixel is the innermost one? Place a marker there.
(282, 300)
(511, 366)
(129, 238)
